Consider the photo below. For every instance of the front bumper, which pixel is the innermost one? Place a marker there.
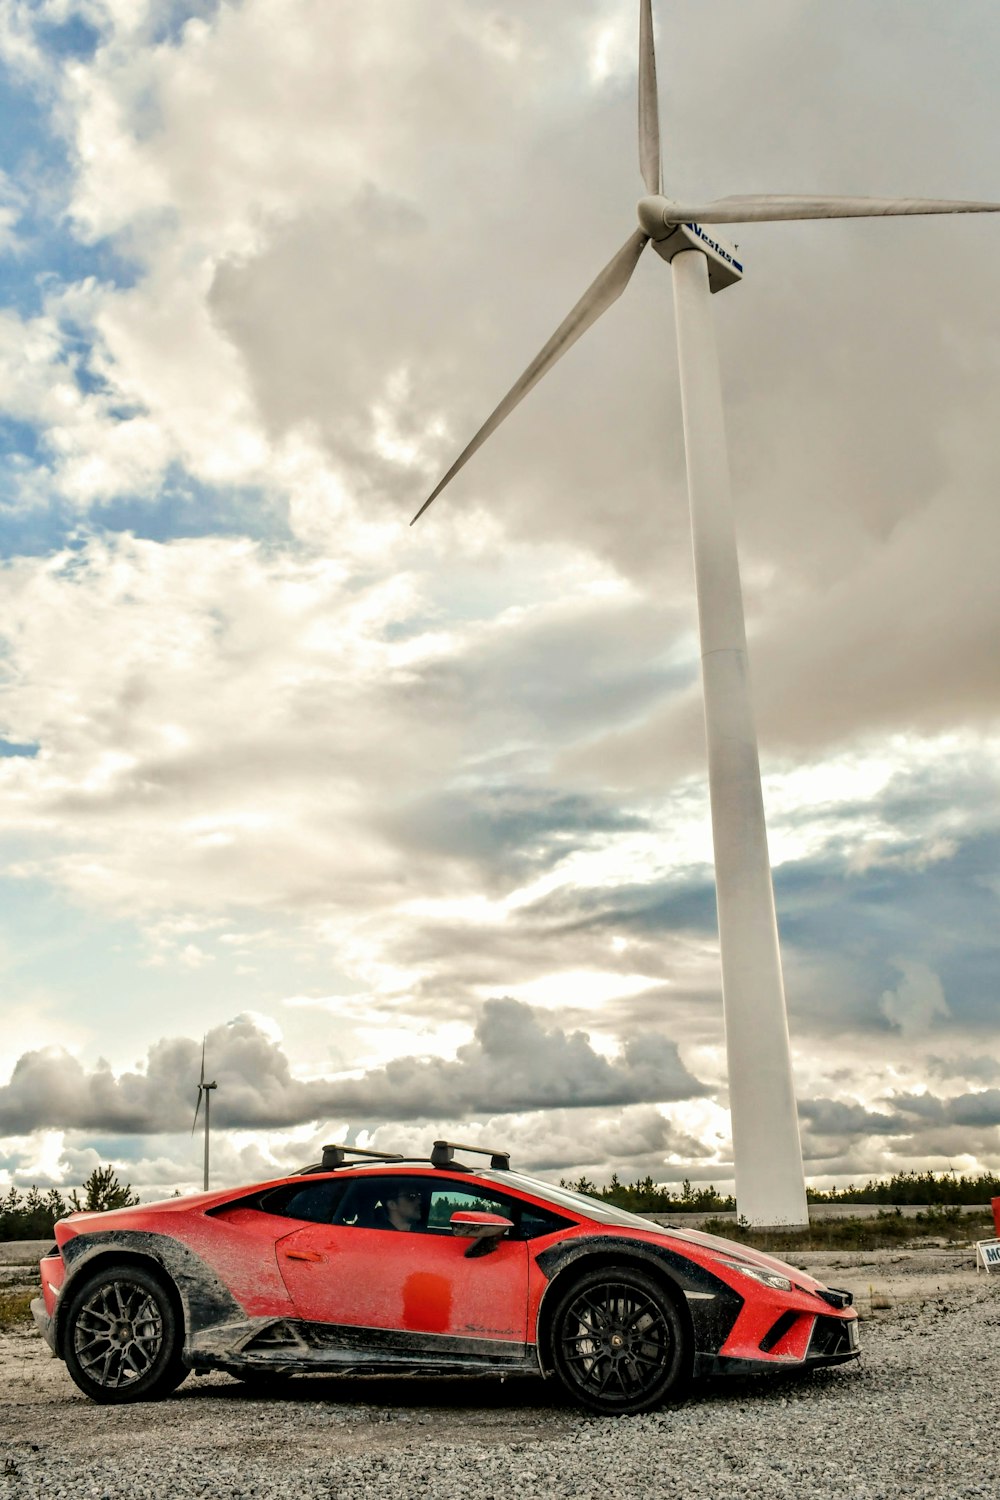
(795, 1342)
(833, 1341)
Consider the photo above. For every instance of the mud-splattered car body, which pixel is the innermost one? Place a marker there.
(499, 1273)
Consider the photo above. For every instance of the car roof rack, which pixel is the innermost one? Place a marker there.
(337, 1156)
(443, 1155)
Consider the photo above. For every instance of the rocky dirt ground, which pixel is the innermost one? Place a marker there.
(916, 1415)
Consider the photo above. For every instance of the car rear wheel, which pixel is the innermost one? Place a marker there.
(122, 1338)
(618, 1342)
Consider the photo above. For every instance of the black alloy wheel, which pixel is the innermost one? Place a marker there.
(618, 1342)
(122, 1338)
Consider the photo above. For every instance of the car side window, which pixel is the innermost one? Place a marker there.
(313, 1202)
(452, 1197)
(421, 1204)
(537, 1221)
(425, 1204)
(363, 1205)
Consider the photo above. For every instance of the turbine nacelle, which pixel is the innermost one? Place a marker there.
(672, 228)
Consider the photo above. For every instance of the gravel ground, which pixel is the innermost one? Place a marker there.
(916, 1416)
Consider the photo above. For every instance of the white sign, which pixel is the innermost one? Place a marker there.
(989, 1252)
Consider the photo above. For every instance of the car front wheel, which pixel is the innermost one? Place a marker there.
(618, 1343)
(122, 1339)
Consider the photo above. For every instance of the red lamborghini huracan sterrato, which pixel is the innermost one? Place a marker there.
(365, 1264)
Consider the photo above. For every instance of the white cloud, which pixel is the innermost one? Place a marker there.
(515, 1062)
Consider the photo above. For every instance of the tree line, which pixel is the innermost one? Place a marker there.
(648, 1197)
(31, 1215)
(644, 1196)
(937, 1188)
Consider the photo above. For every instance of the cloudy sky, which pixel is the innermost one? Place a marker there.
(412, 824)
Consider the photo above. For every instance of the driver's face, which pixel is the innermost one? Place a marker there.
(407, 1204)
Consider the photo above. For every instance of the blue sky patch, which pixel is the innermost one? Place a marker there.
(11, 748)
(183, 507)
(70, 40)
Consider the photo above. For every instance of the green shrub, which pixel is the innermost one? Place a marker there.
(935, 1188)
(885, 1230)
(15, 1309)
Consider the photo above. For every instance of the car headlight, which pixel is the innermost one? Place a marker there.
(762, 1274)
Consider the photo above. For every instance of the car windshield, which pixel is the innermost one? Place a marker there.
(560, 1197)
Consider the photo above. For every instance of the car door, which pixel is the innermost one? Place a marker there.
(353, 1274)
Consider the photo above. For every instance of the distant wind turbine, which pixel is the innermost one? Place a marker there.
(206, 1090)
(770, 1187)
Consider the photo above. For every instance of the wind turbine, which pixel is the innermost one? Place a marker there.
(770, 1187)
(204, 1089)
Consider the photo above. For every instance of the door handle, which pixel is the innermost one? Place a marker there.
(311, 1255)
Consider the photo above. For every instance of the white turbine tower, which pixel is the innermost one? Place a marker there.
(770, 1187)
(204, 1090)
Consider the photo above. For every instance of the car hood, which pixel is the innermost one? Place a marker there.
(125, 1218)
(731, 1250)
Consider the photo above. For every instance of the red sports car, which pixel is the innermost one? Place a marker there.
(365, 1264)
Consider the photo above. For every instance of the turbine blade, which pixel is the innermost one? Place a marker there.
(197, 1107)
(201, 1080)
(649, 109)
(602, 292)
(766, 208)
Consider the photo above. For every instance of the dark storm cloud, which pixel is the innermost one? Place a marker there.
(974, 1110)
(549, 679)
(660, 940)
(981, 1069)
(904, 945)
(864, 921)
(842, 1137)
(516, 1061)
(631, 1141)
(867, 922)
(826, 1117)
(507, 833)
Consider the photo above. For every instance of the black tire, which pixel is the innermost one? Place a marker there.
(122, 1338)
(619, 1344)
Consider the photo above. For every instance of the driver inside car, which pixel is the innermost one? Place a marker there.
(403, 1210)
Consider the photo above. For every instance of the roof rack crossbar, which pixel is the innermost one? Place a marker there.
(336, 1156)
(343, 1156)
(443, 1155)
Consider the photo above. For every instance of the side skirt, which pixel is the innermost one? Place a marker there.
(293, 1346)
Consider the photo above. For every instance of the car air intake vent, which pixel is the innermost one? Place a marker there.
(778, 1330)
(835, 1298)
(829, 1337)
